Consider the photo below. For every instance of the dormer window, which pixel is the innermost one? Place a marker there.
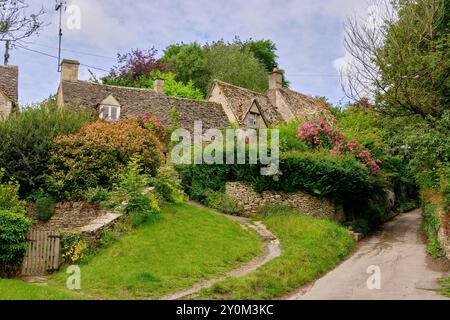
(109, 109)
(109, 113)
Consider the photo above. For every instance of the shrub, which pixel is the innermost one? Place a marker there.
(73, 248)
(13, 241)
(45, 208)
(223, 202)
(26, 139)
(318, 134)
(97, 195)
(98, 154)
(9, 195)
(138, 205)
(168, 184)
(431, 225)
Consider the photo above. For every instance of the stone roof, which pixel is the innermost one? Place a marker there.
(135, 101)
(240, 101)
(303, 107)
(9, 81)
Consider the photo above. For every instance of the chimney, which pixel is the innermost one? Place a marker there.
(275, 79)
(159, 86)
(69, 70)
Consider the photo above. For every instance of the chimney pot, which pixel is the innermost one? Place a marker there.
(159, 86)
(276, 79)
(69, 70)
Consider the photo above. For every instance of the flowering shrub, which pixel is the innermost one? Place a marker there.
(98, 154)
(319, 134)
(151, 122)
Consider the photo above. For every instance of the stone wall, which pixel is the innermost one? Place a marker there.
(68, 216)
(309, 205)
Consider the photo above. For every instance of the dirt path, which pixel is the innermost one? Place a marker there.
(272, 251)
(406, 271)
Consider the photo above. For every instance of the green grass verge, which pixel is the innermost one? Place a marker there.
(310, 247)
(186, 245)
(19, 290)
(445, 283)
(431, 225)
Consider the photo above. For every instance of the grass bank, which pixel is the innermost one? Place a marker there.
(310, 247)
(186, 245)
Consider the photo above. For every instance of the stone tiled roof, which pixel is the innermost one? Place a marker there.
(136, 101)
(240, 101)
(9, 80)
(305, 107)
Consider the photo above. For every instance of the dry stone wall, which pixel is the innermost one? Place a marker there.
(252, 201)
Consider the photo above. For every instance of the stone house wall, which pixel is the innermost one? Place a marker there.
(306, 203)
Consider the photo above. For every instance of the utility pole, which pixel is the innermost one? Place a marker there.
(59, 7)
(6, 57)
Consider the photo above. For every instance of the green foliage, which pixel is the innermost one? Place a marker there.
(445, 283)
(168, 184)
(139, 206)
(431, 225)
(172, 87)
(13, 241)
(276, 209)
(73, 247)
(235, 65)
(223, 202)
(98, 154)
(27, 137)
(97, 195)
(190, 63)
(9, 195)
(288, 137)
(243, 63)
(45, 207)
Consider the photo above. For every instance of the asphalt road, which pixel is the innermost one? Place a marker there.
(398, 264)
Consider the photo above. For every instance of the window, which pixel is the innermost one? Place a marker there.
(253, 120)
(109, 113)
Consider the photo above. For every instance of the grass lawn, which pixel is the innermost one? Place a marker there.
(186, 245)
(310, 247)
(19, 290)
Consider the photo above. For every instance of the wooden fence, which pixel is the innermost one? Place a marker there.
(43, 253)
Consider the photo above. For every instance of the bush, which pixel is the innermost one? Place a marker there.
(45, 208)
(97, 195)
(223, 202)
(9, 195)
(138, 205)
(13, 241)
(431, 225)
(26, 139)
(98, 154)
(73, 248)
(168, 184)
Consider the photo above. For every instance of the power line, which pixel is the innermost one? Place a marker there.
(74, 51)
(55, 57)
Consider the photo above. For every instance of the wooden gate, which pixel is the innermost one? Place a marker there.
(43, 252)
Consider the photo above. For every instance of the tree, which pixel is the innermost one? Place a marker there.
(401, 58)
(16, 24)
(137, 63)
(190, 63)
(236, 65)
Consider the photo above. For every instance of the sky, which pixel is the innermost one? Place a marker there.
(309, 35)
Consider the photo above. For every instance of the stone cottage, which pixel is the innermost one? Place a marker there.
(225, 103)
(255, 110)
(113, 103)
(9, 82)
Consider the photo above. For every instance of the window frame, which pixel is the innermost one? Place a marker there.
(109, 108)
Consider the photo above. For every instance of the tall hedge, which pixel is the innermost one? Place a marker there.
(13, 241)
(26, 138)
